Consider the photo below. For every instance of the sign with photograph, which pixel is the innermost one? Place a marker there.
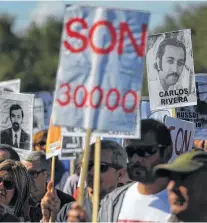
(11, 85)
(16, 119)
(197, 113)
(170, 70)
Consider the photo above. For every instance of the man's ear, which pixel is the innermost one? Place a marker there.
(168, 153)
(121, 175)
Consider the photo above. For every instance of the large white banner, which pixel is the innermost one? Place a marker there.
(170, 70)
(197, 113)
(16, 119)
(99, 79)
(182, 134)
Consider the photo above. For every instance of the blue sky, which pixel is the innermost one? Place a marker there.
(37, 11)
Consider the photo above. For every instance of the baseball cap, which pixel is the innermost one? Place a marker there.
(185, 164)
(152, 133)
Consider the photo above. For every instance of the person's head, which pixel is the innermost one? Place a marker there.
(154, 147)
(7, 152)
(14, 185)
(187, 188)
(170, 60)
(16, 116)
(39, 140)
(112, 168)
(38, 169)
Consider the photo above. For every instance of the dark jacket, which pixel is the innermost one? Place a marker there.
(6, 138)
(35, 212)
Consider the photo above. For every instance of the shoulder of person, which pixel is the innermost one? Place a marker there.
(64, 198)
(114, 195)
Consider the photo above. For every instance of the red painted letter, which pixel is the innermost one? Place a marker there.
(77, 35)
(140, 49)
(113, 37)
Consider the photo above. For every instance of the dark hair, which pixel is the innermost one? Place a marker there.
(22, 183)
(13, 155)
(152, 130)
(16, 107)
(119, 155)
(168, 42)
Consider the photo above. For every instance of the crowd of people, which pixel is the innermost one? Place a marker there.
(137, 182)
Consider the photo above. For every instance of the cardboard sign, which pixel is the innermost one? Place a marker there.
(11, 85)
(182, 134)
(197, 113)
(70, 146)
(100, 72)
(170, 70)
(53, 145)
(38, 116)
(159, 115)
(16, 119)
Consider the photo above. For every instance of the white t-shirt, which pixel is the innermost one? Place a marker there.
(137, 207)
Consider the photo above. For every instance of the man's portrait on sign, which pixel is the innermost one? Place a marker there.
(170, 70)
(16, 120)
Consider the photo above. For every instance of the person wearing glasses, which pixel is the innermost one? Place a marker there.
(145, 199)
(39, 170)
(187, 187)
(14, 190)
(112, 169)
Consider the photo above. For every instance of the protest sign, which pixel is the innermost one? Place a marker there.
(53, 145)
(38, 116)
(70, 146)
(182, 134)
(100, 71)
(159, 115)
(170, 70)
(197, 113)
(16, 119)
(11, 85)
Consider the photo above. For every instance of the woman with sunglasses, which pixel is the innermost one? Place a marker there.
(14, 187)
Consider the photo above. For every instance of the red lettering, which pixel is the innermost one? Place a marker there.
(77, 35)
(84, 97)
(100, 97)
(66, 93)
(178, 152)
(140, 49)
(112, 107)
(186, 141)
(134, 94)
(112, 33)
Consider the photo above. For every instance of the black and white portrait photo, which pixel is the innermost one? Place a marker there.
(16, 119)
(170, 70)
(70, 146)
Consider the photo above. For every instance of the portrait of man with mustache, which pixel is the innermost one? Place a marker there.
(16, 136)
(170, 61)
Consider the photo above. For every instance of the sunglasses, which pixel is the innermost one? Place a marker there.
(8, 184)
(104, 166)
(34, 173)
(42, 143)
(145, 151)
